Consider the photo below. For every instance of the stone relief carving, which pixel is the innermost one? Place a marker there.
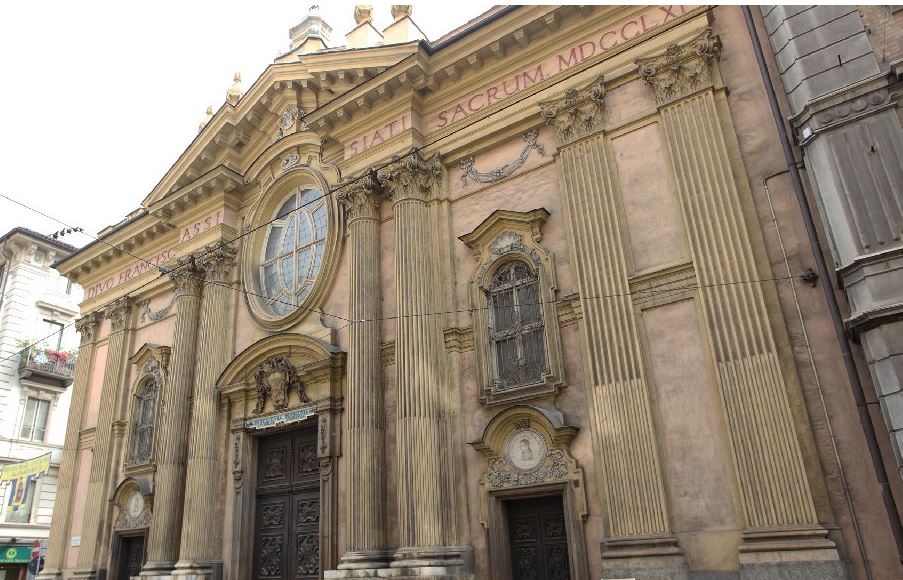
(683, 69)
(577, 114)
(290, 161)
(501, 473)
(147, 313)
(187, 277)
(277, 377)
(411, 177)
(87, 326)
(133, 514)
(532, 143)
(361, 197)
(118, 312)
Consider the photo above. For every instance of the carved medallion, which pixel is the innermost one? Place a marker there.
(526, 449)
(277, 377)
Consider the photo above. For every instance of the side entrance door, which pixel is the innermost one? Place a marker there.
(287, 530)
(538, 537)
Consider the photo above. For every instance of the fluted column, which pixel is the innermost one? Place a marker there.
(774, 489)
(427, 524)
(201, 529)
(92, 554)
(365, 422)
(62, 511)
(173, 423)
(621, 414)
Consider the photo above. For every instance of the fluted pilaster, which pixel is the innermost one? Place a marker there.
(427, 508)
(773, 486)
(365, 417)
(623, 430)
(201, 529)
(173, 422)
(87, 327)
(92, 553)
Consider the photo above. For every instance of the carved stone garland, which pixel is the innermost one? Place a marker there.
(503, 171)
(277, 377)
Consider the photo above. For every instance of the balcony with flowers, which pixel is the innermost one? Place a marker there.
(43, 364)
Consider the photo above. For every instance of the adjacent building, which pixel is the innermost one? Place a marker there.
(38, 353)
(521, 302)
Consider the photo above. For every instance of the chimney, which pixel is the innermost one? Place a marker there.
(403, 29)
(364, 34)
(312, 34)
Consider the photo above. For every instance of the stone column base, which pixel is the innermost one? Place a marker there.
(89, 574)
(194, 570)
(789, 554)
(157, 571)
(50, 574)
(648, 558)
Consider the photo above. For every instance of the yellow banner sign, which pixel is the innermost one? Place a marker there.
(25, 469)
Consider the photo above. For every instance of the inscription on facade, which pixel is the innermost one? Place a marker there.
(160, 258)
(373, 138)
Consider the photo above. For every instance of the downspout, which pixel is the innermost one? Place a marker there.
(852, 373)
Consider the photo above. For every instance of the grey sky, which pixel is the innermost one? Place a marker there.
(100, 98)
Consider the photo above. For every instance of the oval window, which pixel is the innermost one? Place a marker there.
(293, 250)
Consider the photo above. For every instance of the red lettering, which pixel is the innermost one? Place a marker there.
(571, 61)
(458, 109)
(470, 103)
(624, 29)
(443, 119)
(376, 135)
(490, 94)
(669, 13)
(538, 76)
(391, 127)
(602, 40)
(352, 148)
(644, 26)
(583, 55)
(516, 86)
(404, 123)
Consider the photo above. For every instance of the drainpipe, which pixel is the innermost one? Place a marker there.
(852, 373)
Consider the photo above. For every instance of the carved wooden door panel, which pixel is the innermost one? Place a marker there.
(538, 536)
(287, 537)
(130, 558)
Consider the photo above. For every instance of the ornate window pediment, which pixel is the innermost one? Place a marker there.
(512, 293)
(153, 363)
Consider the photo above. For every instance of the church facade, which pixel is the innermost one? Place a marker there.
(512, 304)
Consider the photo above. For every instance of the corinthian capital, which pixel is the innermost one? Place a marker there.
(187, 276)
(87, 326)
(580, 112)
(361, 197)
(412, 177)
(216, 261)
(118, 312)
(683, 69)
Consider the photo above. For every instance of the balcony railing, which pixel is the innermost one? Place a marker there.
(47, 363)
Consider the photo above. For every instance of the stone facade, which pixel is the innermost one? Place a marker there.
(512, 301)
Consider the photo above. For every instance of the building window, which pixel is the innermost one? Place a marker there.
(516, 326)
(293, 250)
(34, 424)
(54, 335)
(144, 417)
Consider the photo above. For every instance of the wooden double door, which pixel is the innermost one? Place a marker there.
(537, 533)
(287, 527)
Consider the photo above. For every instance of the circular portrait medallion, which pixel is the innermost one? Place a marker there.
(526, 449)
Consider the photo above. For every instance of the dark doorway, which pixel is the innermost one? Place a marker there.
(538, 537)
(287, 530)
(129, 556)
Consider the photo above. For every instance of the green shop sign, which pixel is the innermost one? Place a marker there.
(15, 554)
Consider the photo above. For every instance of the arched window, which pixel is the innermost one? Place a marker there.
(144, 414)
(293, 250)
(516, 329)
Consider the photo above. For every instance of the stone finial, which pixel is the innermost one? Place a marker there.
(207, 116)
(682, 69)
(578, 113)
(363, 13)
(233, 95)
(312, 34)
(399, 11)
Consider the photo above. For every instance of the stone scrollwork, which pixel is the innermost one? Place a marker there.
(361, 197)
(217, 261)
(87, 326)
(277, 377)
(501, 473)
(290, 160)
(580, 112)
(411, 177)
(683, 68)
(531, 138)
(118, 312)
(187, 276)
